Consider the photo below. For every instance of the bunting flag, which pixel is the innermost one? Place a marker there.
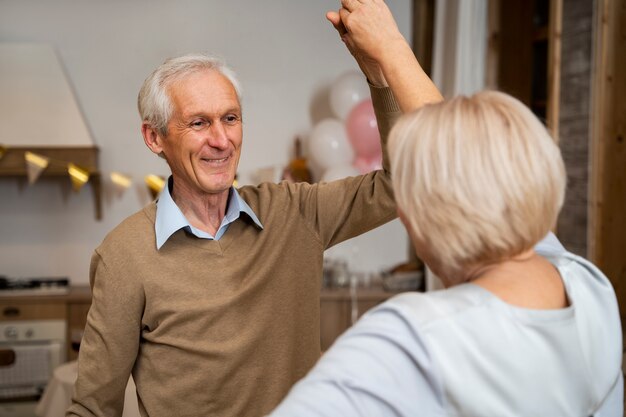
(155, 184)
(35, 165)
(121, 181)
(78, 175)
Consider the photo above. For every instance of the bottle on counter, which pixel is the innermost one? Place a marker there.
(297, 170)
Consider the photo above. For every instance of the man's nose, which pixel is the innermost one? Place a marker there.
(218, 137)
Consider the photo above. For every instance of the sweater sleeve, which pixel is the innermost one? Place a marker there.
(380, 367)
(342, 209)
(110, 342)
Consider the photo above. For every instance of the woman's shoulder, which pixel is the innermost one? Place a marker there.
(423, 309)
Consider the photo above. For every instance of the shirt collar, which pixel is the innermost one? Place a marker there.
(170, 219)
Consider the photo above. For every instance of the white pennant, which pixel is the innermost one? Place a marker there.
(121, 182)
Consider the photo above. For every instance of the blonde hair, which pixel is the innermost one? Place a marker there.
(479, 179)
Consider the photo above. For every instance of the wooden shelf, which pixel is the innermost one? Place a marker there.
(12, 164)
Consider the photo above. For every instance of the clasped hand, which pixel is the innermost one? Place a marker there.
(368, 29)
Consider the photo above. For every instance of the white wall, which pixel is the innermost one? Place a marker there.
(286, 55)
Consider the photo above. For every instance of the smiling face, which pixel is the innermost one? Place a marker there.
(204, 134)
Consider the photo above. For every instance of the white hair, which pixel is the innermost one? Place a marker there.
(154, 103)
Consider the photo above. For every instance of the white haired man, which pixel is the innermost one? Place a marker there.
(210, 296)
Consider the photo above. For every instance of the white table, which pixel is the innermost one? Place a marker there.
(57, 396)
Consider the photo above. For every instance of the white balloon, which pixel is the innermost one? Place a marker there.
(338, 172)
(328, 144)
(347, 91)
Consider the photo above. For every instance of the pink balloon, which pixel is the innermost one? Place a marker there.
(362, 130)
(364, 165)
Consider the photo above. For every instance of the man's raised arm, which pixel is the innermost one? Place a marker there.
(370, 32)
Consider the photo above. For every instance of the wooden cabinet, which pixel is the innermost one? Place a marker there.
(22, 310)
(335, 307)
(78, 304)
(71, 307)
(336, 310)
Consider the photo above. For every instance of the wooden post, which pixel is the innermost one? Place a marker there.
(554, 67)
(493, 44)
(423, 26)
(607, 200)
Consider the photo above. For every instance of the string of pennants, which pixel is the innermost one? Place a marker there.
(36, 164)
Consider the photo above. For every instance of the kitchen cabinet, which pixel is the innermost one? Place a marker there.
(336, 309)
(71, 307)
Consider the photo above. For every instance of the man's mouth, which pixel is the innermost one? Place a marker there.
(216, 160)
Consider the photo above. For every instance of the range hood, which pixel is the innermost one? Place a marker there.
(39, 114)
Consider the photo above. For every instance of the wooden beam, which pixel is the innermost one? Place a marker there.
(554, 67)
(515, 54)
(493, 44)
(607, 233)
(423, 32)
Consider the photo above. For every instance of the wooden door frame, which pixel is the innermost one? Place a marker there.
(554, 57)
(607, 194)
(423, 32)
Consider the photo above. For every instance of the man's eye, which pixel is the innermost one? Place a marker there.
(198, 124)
(231, 118)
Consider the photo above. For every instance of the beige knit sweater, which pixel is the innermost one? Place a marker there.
(221, 328)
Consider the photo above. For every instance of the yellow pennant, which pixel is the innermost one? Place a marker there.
(35, 165)
(78, 175)
(3, 150)
(155, 184)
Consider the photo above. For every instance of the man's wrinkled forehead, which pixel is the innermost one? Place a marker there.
(203, 91)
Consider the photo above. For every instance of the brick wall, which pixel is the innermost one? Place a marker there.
(574, 121)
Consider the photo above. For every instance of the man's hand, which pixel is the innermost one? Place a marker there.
(371, 34)
(369, 66)
(371, 27)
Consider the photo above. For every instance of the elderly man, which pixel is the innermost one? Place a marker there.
(210, 295)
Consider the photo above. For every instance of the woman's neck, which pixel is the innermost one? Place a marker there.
(526, 280)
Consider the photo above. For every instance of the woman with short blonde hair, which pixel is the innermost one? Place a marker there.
(523, 328)
(480, 177)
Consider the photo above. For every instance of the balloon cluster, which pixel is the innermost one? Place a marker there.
(349, 144)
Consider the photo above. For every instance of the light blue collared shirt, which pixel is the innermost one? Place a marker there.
(169, 218)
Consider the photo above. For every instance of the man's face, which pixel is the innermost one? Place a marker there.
(205, 133)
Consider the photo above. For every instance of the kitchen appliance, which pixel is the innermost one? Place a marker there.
(30, 350)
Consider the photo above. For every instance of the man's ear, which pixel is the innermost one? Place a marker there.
(152, 138)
